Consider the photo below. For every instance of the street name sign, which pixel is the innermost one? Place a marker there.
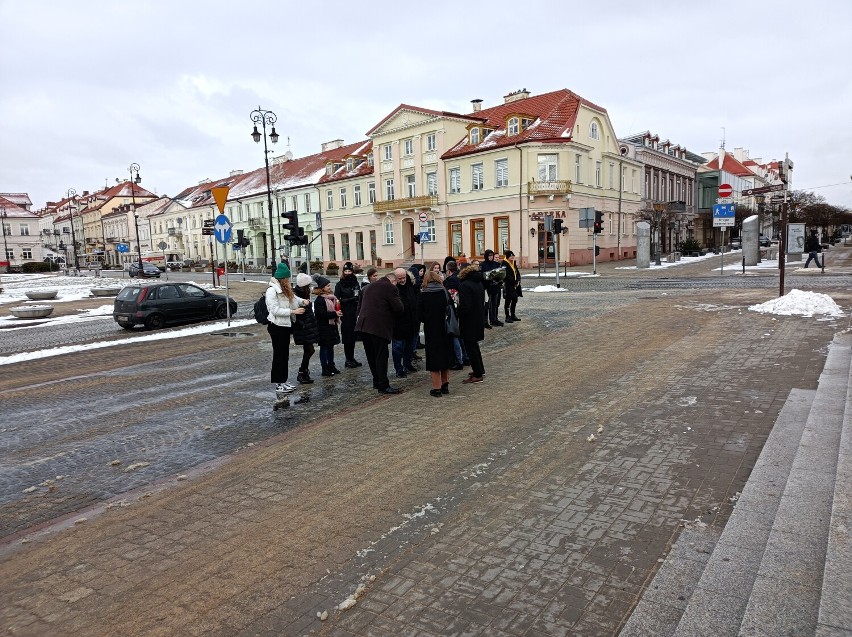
(763, 189)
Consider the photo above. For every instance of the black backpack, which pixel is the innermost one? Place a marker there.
(261, 312)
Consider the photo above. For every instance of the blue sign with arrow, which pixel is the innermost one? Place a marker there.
(222, 229)
(122, 247)
(723, 214)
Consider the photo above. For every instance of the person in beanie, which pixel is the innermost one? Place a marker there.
(511, 287)
(305, 332)
(472, 320)
(493, 288)
(380, 303)
(282, 305)
(328, 313)
(348, 290)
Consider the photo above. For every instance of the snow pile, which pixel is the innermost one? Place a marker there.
(800, 303)
(546, 288)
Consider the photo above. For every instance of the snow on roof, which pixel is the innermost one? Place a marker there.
(11, 209)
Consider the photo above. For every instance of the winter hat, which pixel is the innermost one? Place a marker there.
(508, 254)
(282, 271)
(348, 266)
(322, 282)
(303, 280)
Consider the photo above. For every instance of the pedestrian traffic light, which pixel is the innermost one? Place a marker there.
(416, 237)
(597, 250)
(291, 222)
(598, 222)
(245, 242)
(557, 226)
(300, 239)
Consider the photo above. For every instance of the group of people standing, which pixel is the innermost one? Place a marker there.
(385, 313)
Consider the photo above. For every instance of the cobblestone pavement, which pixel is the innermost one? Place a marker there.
(487, 512)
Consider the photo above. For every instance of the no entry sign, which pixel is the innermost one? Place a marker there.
(726, 190)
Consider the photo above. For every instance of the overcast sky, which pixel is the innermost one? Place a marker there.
(90, 86)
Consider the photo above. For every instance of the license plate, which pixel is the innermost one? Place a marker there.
(123, 319)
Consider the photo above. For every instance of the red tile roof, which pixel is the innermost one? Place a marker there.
(553, 114)
(13, 210)
(730, 165)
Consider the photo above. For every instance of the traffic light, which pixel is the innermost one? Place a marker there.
(597, 250)
(300, 239)
(416, 237)
(557, 226)
(598, 222)
(291, 223)
(245, 242)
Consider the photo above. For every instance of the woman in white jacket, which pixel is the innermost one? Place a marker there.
(282, 304)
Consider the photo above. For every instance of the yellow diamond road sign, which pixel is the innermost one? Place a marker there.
(220, 194)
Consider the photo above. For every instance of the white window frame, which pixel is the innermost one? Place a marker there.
(432, 184)
(329, 199)
(455, 180)
(611, 175)
(548, 167)
(388, 231)
(501, 173)
(307, 202)
(428, 226)
(350, 163)
(594, 131)
(598, 174)
(390, 195)
(477, 177)
(410, 186)
(474, 136)
(513, 126)
(356, 195)
(343, 198)
(388, 152)
(578, 168)
(371, 192)
(431, 142)
(370, 160)
(409, 147)
(24, 229)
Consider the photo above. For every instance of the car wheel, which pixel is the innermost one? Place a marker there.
(221, 311)
(155, 321)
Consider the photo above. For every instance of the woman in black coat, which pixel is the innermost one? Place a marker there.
(327, 311)
(348, 292)
(511, 287)
(472, 319)
(305, 332)
(432, 308)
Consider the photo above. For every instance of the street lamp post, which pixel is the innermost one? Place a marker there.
(70, 194)
(5, 246)
(134, 168)
(263, 118)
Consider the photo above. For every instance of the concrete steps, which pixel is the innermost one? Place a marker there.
(782, 564)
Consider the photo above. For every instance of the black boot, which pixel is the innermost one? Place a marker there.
(303, 377)
(326, 371)
(445, 388)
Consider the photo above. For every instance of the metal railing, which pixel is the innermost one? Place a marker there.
(557, 187)
(407, 203)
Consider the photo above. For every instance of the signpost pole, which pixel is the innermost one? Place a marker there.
(722, 252)
(556, 248)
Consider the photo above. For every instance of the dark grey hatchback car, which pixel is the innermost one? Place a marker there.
(156, 304)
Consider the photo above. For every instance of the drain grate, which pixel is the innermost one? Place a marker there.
(233, 334)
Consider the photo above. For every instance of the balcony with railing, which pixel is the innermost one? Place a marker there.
(175, 232)
(407, 203)
(557, 187)
(256, 222)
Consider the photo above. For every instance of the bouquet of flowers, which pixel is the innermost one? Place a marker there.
(496, 276)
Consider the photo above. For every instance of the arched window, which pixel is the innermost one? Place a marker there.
(513, 126)
(594, 131)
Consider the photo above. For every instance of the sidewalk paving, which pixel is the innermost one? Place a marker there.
(488, 512)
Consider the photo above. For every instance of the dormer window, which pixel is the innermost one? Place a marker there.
(329, 168)
(512, 127)
(350, 163)
(370, 160)
(526, 122)
(474, 136)
(594, 131)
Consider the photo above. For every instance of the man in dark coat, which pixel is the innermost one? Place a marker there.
(451, 283)
(348, 291)
(511, 287)
(471, 312)
(494, 289)
(380, 303)
(405, 328)
(813, 248)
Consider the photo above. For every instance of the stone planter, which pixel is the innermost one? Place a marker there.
(31, 311)
(105, 291)
(41, 295)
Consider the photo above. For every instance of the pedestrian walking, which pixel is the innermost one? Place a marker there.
(305, 331)
(282, 305)
(472, 319)
(348, 291)
(432, 308)
(511, 287)
(380, 303)
(812, 245)
(328, 313)
(451, 283)
(406, 326)
(494, 277)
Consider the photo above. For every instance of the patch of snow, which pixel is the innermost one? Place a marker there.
(799, 303)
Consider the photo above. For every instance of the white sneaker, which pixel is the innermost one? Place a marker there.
(281, 389)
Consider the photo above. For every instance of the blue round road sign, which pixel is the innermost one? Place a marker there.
(122, 247)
